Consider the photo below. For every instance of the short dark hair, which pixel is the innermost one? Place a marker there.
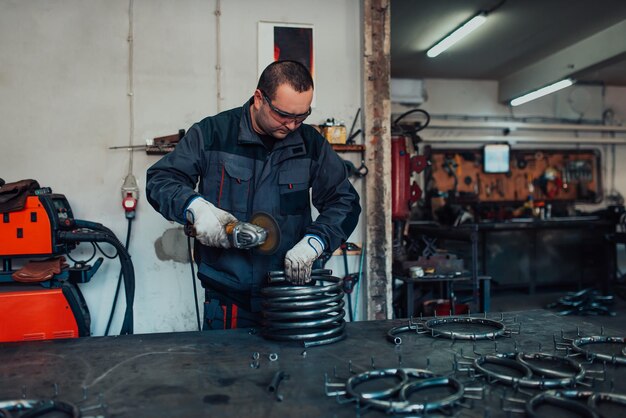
(285, 72)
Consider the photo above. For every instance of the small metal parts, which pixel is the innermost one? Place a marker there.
(278, 377)
(254, 363)
(585, 302)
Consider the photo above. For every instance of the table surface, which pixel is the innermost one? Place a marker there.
(194, 374)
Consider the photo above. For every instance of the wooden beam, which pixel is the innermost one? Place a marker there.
(377, 121)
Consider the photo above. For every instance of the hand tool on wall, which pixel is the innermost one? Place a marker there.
(362, 170)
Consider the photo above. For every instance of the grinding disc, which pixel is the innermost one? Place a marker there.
(267, 222)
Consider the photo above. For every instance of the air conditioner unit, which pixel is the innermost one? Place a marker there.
(407, 91)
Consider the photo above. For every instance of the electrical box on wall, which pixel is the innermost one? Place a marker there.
(407, 91)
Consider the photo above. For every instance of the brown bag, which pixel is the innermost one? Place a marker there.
(13, 195)
(40, 271)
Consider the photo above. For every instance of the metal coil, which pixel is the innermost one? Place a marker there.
(311, 314)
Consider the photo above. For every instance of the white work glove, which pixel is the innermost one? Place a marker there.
(209, 222)
(300, 258)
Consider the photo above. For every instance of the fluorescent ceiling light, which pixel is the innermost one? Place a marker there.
(458, 34)
(542, 92)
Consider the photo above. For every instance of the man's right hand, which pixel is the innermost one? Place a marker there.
(209, 223)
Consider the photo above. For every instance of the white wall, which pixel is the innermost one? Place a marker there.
(63, 89)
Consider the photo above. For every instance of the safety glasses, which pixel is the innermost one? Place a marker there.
(285, 117)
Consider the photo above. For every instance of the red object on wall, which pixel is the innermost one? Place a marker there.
(400, 179)
(40, 314)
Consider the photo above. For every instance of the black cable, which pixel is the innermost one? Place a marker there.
(119, 281)
(93, 246)
(110, 257)
(104, 234)
(193, 279)
(421, 126)
(190, 218)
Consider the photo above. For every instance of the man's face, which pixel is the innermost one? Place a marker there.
(283, 114)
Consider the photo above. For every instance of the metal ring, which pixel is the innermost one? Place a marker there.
(578, 344)
(273, 356)
(40, 407)
(613, 398)
(353, 381)
(558, 400)
(502, 361)
(558, 379)
(506, 360)
(404, 406)
(392, 334)
(456, 385)
(500, 328)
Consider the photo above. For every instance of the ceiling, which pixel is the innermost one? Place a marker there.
(523, 42)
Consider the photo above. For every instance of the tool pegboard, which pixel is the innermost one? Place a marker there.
(546, 175)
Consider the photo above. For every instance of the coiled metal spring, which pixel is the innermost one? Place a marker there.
(312, 314)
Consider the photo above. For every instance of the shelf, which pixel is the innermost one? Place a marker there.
(348, 147)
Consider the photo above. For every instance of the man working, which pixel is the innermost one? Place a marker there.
(258, 157)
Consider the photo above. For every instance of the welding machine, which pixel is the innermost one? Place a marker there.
(39, 294)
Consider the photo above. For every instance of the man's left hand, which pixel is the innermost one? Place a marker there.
(299, 260)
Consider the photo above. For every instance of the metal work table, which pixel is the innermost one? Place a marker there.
(196, 374)
(570, 251)
(448, 282)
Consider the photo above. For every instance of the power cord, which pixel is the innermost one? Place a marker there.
(190, 218)
(119, 280)
(193, 279)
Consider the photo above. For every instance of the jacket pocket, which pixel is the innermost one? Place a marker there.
(294, 191)
(234, 187)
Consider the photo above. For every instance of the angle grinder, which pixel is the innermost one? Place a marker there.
(261, 233)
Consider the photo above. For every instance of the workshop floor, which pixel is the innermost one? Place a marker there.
(508, 301)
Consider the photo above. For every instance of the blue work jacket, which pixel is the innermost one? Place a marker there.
(238, 174)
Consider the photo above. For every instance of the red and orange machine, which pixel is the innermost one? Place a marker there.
(40, 298)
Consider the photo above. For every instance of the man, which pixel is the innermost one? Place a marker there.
(258, 157)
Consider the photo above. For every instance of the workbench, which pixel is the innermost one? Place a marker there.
(529, 253)
(199, 374)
